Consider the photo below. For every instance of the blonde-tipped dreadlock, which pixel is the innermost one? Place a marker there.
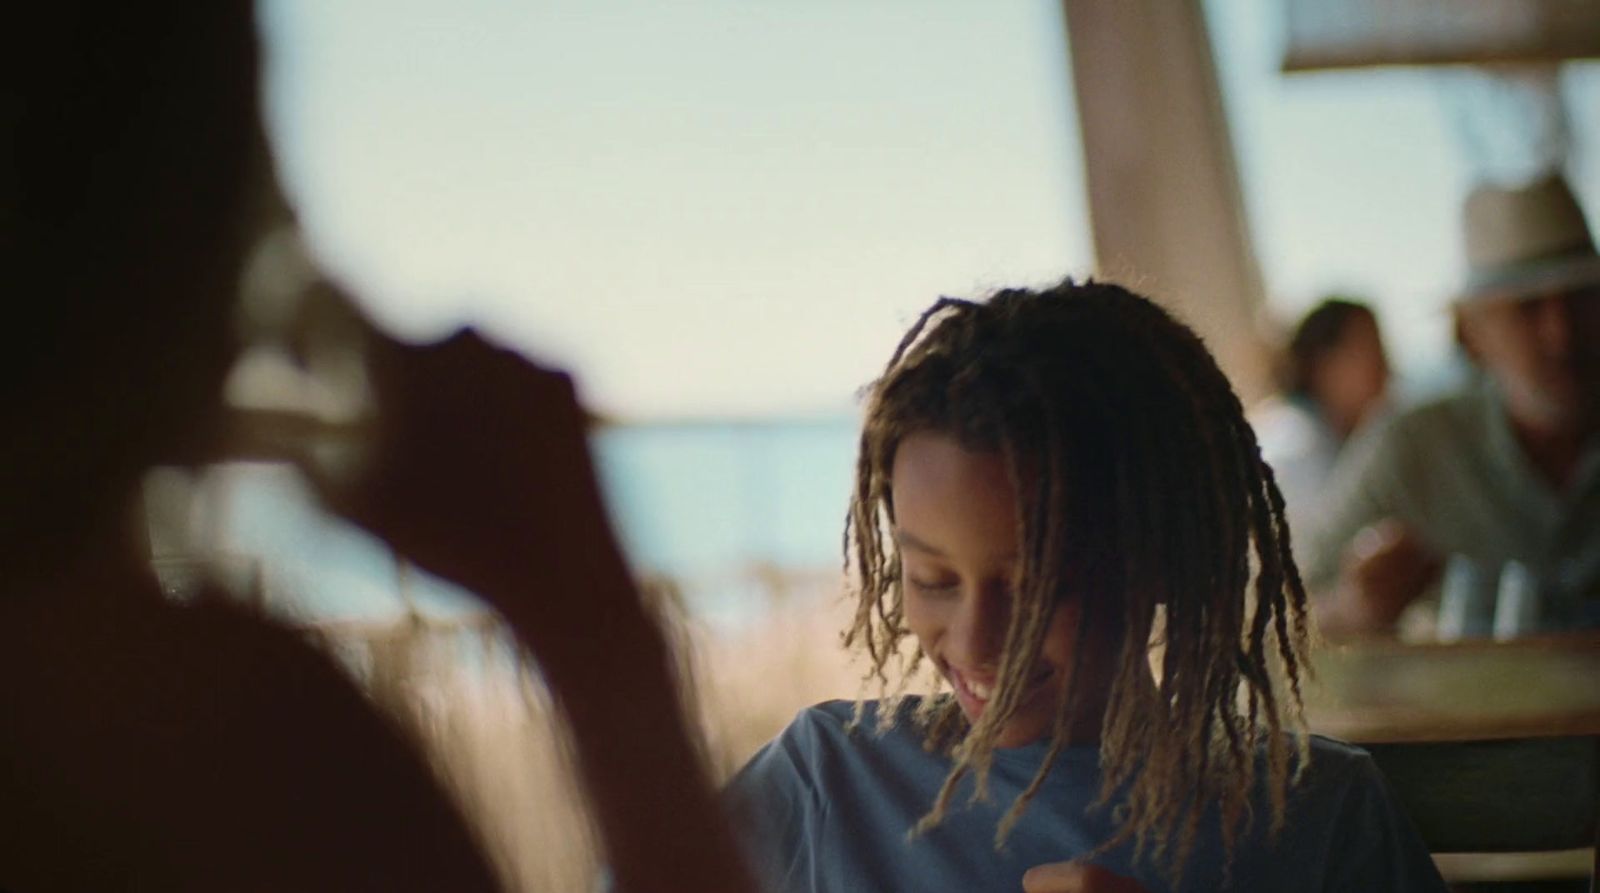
(1141, 492)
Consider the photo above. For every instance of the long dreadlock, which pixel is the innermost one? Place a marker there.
(1140, 487)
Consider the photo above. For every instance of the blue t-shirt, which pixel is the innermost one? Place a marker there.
(824, 809)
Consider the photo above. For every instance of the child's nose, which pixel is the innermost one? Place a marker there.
(979, 632)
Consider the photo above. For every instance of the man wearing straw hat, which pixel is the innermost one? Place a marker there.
(1508, 469)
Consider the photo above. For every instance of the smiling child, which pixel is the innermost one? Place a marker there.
(1061, 514)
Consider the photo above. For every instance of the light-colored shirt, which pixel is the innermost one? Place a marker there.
(1301, 448)
(1453, 472)
(827, 809)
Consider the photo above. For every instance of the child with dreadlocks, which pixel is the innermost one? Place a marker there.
(1060, 511)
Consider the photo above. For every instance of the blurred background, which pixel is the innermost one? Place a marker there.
(721, 215)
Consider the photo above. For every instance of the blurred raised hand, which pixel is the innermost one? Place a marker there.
(479, 472)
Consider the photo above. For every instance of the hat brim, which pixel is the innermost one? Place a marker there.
(1531, 279)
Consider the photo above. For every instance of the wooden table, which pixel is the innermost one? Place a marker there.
(1373, 691)
(1384, 691)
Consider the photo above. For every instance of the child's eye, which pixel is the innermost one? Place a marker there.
(931, 586)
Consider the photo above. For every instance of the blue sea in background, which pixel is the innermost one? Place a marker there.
(701, 503)
(689, 498)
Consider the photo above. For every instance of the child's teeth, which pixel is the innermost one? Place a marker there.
(981, 690)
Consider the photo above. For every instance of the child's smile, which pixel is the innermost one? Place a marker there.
(974, 690)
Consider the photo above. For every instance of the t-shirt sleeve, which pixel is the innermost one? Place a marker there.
(773, 803)
(1375, 846)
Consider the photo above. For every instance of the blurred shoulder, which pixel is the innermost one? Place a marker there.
(1436, 418)
(1287, 427)
(206, 731)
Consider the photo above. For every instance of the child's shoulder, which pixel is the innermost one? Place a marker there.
(1336, 763)
(1345, 826)
(844, 733)
(836, 716)
(1336, 753)
(839, 721)
(1340, 787)
(832, 743)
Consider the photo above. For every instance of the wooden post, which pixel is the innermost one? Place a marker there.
(1164, 201)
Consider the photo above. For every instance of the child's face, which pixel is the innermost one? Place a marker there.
(955, 523)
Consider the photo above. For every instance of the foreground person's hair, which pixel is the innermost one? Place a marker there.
(1141, 491)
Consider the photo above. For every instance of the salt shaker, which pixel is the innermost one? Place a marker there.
(1516, 611)
(1466, 600)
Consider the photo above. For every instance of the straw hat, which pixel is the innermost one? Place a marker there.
(1526, 241)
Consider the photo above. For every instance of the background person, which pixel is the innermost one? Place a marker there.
(1336, 377)
(1506, 469)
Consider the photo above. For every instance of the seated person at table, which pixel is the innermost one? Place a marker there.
(148, 745)
(1336, 376)
(1507, 469)
(1058, 506)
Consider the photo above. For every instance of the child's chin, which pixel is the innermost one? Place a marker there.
(1021, 731)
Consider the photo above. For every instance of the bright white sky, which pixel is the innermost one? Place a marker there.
(733, 207)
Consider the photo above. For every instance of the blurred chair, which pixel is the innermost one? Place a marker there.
(1518, 795)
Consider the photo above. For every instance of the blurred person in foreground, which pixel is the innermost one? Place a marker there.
(1506, 469)
(1336, 377)
(153, 746)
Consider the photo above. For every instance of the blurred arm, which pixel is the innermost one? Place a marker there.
(1366, 561)
(482, 475)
